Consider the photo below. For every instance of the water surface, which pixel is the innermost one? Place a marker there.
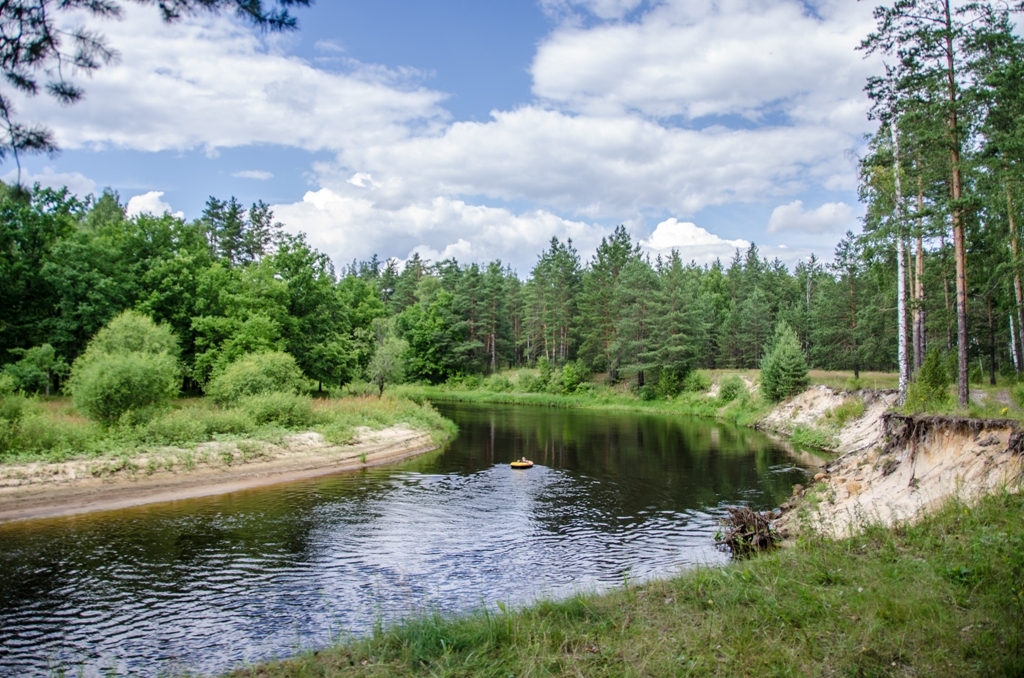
(206, 584)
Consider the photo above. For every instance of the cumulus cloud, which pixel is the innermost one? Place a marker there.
(693, 242)
(832, 217)
(696, 58)
(212, 82)
(150, 203)
(262, 175)
(347, 226)
(598, 167)
(77, 183)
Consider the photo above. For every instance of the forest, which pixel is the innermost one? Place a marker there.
(936, 266)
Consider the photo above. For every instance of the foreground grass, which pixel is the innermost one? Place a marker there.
(33, 430)
(942, 598)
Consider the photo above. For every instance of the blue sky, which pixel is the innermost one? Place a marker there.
(481, 130)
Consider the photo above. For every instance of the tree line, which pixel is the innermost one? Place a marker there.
(935, 270)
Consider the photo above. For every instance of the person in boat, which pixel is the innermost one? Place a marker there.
(522, 460)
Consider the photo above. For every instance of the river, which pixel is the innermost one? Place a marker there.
(206, 584)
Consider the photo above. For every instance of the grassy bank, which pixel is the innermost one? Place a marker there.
(743, 411)
(944, 597)
(51, 430)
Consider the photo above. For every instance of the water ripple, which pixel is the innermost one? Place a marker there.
(206, 584)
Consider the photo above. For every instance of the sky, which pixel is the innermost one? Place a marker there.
(479, 131)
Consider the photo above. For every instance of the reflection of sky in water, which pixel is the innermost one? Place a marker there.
(205, 584)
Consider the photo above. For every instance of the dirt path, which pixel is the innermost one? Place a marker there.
(46, 490)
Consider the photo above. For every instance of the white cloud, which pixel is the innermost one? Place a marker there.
(348, 226)
(77, 183)
(696, 58)
(693, 242)
(597, 166)
(150, 203)
(214, 83)
(832, 217)
(262, 175)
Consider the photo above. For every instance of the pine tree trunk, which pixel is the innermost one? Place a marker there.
(959, 244)
(945, 291)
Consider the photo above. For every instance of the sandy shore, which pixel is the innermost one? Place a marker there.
(45, 490)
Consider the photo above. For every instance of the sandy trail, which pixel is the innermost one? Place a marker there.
(43, 490)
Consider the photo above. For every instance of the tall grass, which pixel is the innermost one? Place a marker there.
(941, 598)
(51, 430)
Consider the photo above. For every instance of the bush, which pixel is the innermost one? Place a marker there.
(255, 374)
(191, 425)
(108, 386)
(8, 384)
(783, 368)
(567, 379)
(669, 384)
(850, 410)
(133, 332)
(731, 388)
(498, 383)
(284, 409)
(930, 390)
(47, 434)
(696, 382)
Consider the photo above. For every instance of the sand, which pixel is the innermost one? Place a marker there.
(43, 490)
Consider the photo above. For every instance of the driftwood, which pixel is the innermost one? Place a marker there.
(747, 532)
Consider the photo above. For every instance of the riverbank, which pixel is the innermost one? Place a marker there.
(744, 409)
(942, 597)
(346, 435)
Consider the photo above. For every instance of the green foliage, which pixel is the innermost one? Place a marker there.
(194, 424)
(284, 409)
(109, 385)
(783, 370)
(567, 379)
(259, 373)
(387, 365)
(132, 332)
(930, 390)
(811, 436)
(697, 381)
(35, 371)
(850, 410)
(8, 384)
(731, 388)
(498, 383)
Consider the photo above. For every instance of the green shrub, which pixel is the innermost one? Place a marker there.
(731, 388)
(809, 436)
(930, 390)
(35, 371)
(669, 384)
(134, 332)
(696, 382)
(572, 375)
(783, 368)
(498, 383)
(284, 409)
(472, 382)
(13, 408)
(851, 409)
(8, 384)
(544, 371)
(39, 433)
(110, 385)
(273, 372)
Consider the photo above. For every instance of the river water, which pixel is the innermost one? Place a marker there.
(206, 584)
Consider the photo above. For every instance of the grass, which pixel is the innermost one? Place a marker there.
(944, 597)
(744, 410)
(50, 430)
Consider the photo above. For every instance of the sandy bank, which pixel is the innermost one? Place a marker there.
(44, 490)
(892, 467)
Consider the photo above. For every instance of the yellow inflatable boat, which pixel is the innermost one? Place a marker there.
(522, 463)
